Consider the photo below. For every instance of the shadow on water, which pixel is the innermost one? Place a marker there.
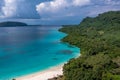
(65, 52)
(20, 35)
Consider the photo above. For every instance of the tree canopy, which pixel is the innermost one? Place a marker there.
(99, 41)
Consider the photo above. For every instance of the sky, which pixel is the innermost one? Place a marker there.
(54, 11)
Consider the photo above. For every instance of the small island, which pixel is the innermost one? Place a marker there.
(12, 24)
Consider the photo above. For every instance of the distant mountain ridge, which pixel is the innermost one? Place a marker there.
(11, 24)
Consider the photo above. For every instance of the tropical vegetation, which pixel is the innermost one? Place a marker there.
(99, 41)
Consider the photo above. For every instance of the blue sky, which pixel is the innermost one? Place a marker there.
(54, 11)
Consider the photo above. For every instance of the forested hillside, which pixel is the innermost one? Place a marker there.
(99, 41)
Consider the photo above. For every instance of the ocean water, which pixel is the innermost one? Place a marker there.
(25, 50)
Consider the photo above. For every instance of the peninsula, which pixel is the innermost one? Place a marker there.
(99, 41)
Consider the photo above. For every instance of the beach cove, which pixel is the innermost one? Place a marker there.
(45, 74)
(31, 53)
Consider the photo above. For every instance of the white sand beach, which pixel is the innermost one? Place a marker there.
(44, 75)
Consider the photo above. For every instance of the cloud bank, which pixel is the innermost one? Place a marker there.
(23, 9)
(9, 8)
(55, 11)
(68, 8)
(60, 8)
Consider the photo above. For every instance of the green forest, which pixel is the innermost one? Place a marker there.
(99, 41)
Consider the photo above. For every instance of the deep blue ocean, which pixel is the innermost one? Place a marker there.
(25, 50)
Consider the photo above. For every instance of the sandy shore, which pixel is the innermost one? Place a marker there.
(44, 75)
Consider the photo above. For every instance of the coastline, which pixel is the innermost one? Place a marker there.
(44, 75)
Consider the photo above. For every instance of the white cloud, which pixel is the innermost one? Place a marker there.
(98, 10)
(18, 9)
(51, 6)
(64, 9)
(57, 5)
(9, 8)
(112, 2)
(80, 2)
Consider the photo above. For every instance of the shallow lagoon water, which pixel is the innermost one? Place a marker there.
(25, 50)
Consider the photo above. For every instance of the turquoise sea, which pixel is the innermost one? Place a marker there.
(25, 50)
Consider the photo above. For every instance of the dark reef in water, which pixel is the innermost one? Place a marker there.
(65, 52)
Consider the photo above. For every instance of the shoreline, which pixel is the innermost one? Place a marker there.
(46, 74)
(43, 75)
